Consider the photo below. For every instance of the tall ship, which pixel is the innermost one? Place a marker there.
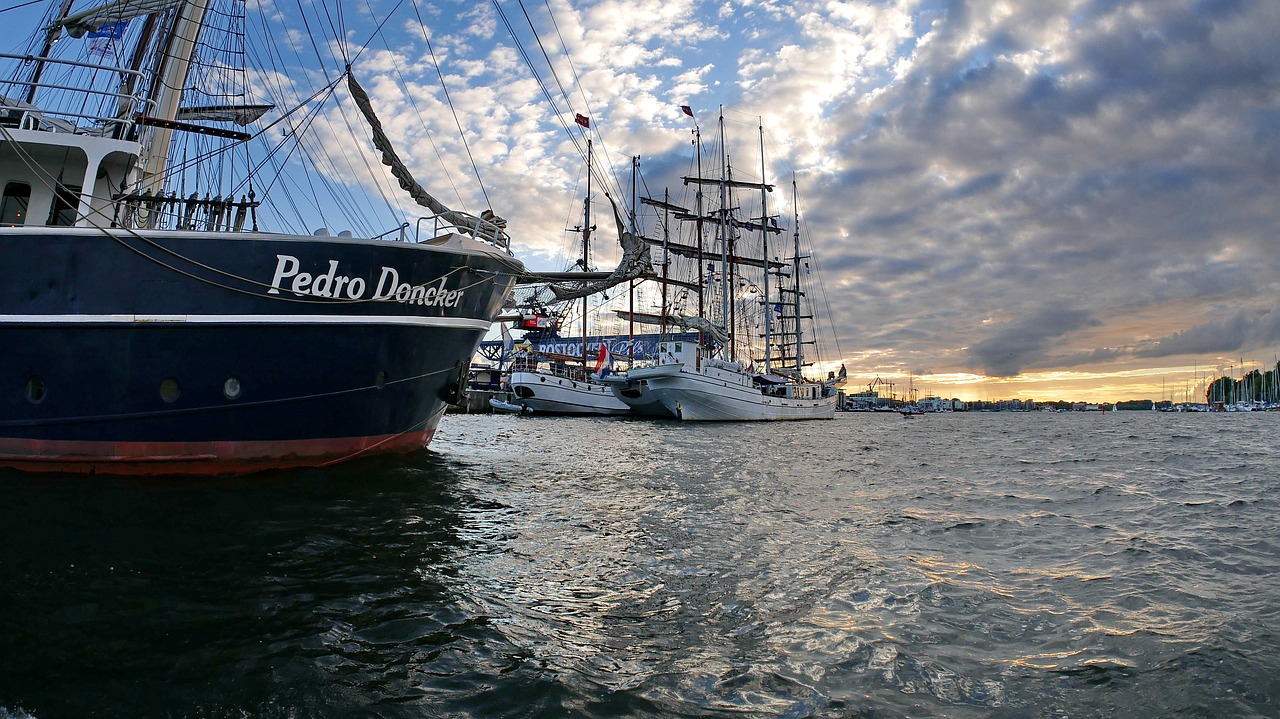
(560, 383)
(150, 325)
(634, 391)
(749, 363)
(556, 383)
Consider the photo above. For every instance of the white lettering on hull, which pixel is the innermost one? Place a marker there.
(331, 284)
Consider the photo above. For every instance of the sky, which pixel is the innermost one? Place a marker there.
(1072, 200)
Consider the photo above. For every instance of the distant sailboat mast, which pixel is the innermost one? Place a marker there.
(631, 285)
(666, 256)
(699, 209)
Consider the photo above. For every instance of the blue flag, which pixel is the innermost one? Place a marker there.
(112, 30)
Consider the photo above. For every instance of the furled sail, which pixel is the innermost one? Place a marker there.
(703, 325)
(487, 225)
(239, 114)
(94, 18)
(635, 263)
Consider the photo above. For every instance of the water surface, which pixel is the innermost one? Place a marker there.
(962, 565)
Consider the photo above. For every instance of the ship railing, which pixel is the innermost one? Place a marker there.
(449, 222)
(549, 366)
(28, 116)
(149, 211)
(397, 229)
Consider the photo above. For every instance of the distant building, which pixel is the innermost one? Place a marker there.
(857, 401)
(1015, 405)
(938, 404)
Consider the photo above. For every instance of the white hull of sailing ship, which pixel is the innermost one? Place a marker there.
(711, 379)
(559, 385)
(636, 395)
(560, 393)
(716, 391)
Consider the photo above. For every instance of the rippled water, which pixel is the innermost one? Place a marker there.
(967, 565)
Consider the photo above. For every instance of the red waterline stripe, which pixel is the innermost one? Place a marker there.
(196, 458)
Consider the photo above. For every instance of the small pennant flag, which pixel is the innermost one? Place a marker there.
(582, 120)
(686, 110)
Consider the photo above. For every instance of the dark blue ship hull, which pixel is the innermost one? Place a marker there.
(202, 353)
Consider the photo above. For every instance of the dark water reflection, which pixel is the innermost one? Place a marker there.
(299, 594)
(965, 566)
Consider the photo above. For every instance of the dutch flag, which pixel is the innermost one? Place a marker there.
(604, 362)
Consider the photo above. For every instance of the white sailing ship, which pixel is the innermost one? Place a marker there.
(557, 384)
(716, 379)
(548, 383)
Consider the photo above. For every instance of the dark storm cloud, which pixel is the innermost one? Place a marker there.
(1225, 333)
(1026, 340)
(1221, 334)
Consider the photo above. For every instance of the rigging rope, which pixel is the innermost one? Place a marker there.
(457, 123)
(612, 176)
(487, 225)
(20, 5)
(560, 117)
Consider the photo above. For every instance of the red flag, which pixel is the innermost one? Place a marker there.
(687, 110)
(582, 120)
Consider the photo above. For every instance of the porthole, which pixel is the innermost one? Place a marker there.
(36, 390)
(169, 390)
(231, 388)
(381, 380)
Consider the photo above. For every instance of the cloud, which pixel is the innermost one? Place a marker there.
(1062, 167)
(1225, 334)
(1211, 338)
(1026, 341)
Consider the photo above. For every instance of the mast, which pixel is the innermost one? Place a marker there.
(586, 253)
(730, 273)
(666, 258)
(176, 61)
(631, 285)
(795, 274)
(702, 283)
(55, 30)
(125, 107)
(724, 239)
(764, 238)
